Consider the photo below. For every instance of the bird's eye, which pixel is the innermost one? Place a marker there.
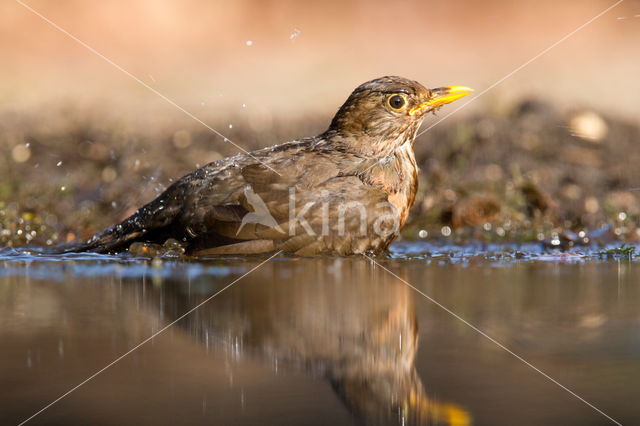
(396, 102)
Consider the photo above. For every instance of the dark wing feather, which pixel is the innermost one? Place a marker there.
(192, 207)
(154, 216)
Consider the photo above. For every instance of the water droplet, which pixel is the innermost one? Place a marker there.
(249, 43)
(295, 34)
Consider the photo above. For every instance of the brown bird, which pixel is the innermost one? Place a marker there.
(345, 191)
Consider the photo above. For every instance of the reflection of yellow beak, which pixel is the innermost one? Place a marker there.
(441, 96)
(441, 412)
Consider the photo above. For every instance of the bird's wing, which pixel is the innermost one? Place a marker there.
(316, 204)
(272, 184)
(195, 203)
(206, 207)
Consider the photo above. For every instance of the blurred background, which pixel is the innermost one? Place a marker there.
(552, 148)
(306, 56)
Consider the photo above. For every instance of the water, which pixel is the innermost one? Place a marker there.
(321, 341)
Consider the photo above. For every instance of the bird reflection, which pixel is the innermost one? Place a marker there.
(335, 318)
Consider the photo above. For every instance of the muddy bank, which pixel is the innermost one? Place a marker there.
(522, 173)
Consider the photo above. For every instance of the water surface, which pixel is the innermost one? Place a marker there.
(322, 341)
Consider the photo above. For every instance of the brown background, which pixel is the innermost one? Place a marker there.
(195, 51)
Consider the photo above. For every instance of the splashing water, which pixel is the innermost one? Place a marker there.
(295, 34)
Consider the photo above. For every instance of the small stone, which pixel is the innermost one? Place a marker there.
(591, 205)
(20, 153)
(589, 126)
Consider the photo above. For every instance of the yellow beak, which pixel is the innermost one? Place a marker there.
(441, 96)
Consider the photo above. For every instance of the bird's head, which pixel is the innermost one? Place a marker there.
(382, 114)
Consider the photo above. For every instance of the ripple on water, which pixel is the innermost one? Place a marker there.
(57, 267)
(39, 264)
(506, 253)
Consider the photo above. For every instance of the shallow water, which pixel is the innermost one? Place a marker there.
(322, 341)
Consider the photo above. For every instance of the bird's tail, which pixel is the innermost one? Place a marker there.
(147, 221)
(110, 240)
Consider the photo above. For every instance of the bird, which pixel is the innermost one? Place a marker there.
(346, 191)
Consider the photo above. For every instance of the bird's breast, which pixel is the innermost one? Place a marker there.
(398, 176)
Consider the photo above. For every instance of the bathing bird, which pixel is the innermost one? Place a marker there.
(346, 191)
